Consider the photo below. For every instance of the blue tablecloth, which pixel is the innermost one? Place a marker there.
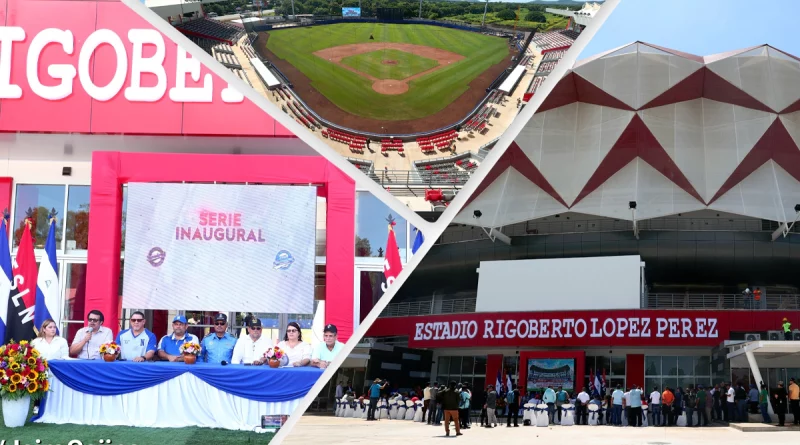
(258, 383)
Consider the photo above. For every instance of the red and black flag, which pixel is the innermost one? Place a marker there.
(22, 298)
(392, 266)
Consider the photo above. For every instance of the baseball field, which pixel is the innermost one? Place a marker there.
(387, 72)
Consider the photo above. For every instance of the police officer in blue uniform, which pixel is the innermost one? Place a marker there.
(218, 347)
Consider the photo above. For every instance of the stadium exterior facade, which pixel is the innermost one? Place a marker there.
(705, 150)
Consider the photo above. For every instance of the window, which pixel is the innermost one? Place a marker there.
(372, 227)
(672, 371)
(78, 217)
(469, 370)
(613, 367)
(36, 202)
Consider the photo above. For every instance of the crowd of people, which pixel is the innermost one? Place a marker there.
(693, 406)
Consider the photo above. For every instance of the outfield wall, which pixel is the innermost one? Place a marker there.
(331, 20)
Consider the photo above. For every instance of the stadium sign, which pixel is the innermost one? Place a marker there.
(631, 327)
(59, 81)
(618, 327)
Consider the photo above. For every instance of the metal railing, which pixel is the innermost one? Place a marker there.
(768, 302)
(774, 302)
(534, 228)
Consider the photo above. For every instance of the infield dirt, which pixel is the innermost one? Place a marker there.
(452, 113)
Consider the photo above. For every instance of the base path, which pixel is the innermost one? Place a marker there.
(389, 86)
(321, 105)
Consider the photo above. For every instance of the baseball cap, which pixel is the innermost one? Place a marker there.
(221, 317)
(330, 328)
(180, 318)
(255, 323)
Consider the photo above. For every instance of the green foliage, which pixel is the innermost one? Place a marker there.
(506, 14)
(354, 94)
(535, 16)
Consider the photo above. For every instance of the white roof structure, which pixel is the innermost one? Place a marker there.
(581, 17)
(173, 8)
(672, 131)
(512, 79)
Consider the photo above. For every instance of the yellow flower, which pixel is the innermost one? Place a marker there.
(16, 378)
(14, 366)
(46, 386)
(33, 387)
(23, 342)
(31, 361)
(12, 388)
(33, 375)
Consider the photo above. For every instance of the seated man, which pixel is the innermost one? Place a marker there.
(87, 342)
(169, 348)
(325, 352)
(218, 347)
(137, 343)
(250, 349)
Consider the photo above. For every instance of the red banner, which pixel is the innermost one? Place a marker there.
(97, 67)
(392, 266)
(644, 327)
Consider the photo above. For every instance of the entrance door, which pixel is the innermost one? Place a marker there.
(368, 291)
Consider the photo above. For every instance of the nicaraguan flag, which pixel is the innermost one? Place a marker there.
(5, 276)
(48, 303)
(499, 385)
(418, 240)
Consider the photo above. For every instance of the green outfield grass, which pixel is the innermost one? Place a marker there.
(354, 94)
(405, 64)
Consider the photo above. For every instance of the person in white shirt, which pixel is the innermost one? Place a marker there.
(582, 408)
(251, 349)
(50, 345)
(87, 342)
(325, 352)
(297, 351)
(626, 405)
(426, 399)
(655, 406)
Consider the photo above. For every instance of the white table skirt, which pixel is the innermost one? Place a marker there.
(179, 402)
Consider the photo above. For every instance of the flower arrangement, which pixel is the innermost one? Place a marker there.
(22, 372)
(274, 353)
(190, 348)
(110, 348)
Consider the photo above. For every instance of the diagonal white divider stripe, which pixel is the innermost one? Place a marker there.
(455, 206)
(363, 183)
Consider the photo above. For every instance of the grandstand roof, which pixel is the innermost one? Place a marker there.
(672, 131)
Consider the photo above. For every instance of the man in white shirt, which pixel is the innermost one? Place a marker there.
(251, 348)
(730, 398)
(87, 342)
(655, 406)
(626, 405)
(426, 399)
(582, 402)
(325, 352)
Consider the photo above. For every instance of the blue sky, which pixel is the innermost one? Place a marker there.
(700, 27)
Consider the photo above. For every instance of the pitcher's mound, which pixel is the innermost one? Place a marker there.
(390, 86)
(389, 62)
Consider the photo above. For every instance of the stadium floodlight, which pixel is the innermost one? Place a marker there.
(477, 214)
(785, 227)
(632, 206)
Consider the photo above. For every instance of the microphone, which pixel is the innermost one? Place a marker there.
(223, 363)
(88, 330)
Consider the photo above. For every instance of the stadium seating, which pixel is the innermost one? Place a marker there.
(454, 170)
(364, 166)
(442, 141)
(554, 39)
(302, 115)
(388, 145)
(479, 121)
(355, 142)
(212, 29)
(554, 55)
(546, 67)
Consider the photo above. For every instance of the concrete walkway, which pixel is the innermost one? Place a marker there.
(333, 430)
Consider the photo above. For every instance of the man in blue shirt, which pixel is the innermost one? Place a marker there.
(374, 396)
(169, 348)
(616, 400)
(218, 348)
(636, 407)
(549, 398)
(136, 344)
(561, 398)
